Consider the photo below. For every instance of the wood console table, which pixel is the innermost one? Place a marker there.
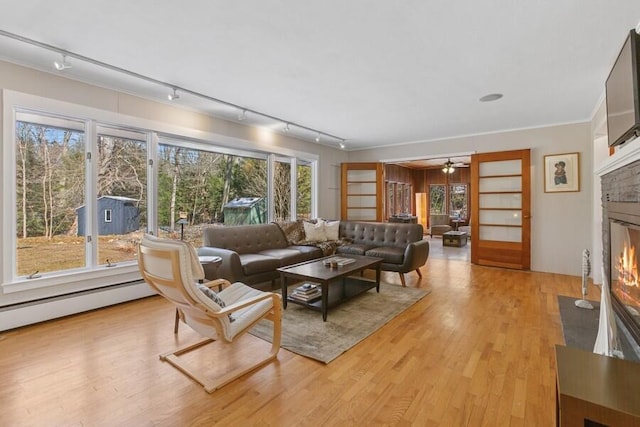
(594, 390)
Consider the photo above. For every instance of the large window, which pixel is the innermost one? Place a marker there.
(437, 199)
(208, 187)
(86, 190)
(50, 188)
(121, 197)
(458, 206)
(304, 189)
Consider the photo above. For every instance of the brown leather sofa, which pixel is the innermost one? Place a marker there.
(252, 253)
(401, 246)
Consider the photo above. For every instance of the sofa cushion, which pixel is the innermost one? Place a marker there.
(390, 254)
(354, 249)
(255, 263)
(286, 256)
(308, 252)
(315, 231)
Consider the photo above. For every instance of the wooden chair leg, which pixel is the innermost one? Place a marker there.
(402, 279)
(419, 273)
(177, 323)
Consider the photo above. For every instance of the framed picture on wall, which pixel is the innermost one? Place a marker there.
(562, 173)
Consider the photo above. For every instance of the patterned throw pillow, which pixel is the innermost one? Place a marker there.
(214, 297)
(293, 231)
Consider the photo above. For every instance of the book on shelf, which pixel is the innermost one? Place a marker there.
(305, 297)
(338, 261)
(307, 288)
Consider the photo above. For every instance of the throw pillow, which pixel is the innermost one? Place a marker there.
(293, 231)
(214, 297)
(331, 229)
(315, 232)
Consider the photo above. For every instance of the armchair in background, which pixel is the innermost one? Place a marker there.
(438, 224)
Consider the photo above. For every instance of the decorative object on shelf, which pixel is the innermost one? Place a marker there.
(607, 340)
(586, 269)
(562, 173)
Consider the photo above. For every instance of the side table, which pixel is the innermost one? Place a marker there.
(597, 390)
(454, 238)
(210, 265)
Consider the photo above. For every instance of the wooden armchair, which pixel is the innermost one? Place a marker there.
(171, 267)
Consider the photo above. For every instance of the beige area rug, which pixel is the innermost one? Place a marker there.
(304, 332)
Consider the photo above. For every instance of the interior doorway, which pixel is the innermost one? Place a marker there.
(441, 200)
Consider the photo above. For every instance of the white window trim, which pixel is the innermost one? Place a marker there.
(107, 215)
(16, 290)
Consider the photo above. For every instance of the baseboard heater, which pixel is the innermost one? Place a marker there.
(28, 313)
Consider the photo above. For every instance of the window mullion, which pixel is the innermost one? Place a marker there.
(91, 178)
(293, 201)
(152, 182)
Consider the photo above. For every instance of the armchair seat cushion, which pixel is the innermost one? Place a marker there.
(243, 317)
(256, 263)
(389, 254)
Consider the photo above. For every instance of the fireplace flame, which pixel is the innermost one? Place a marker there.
(627, 267)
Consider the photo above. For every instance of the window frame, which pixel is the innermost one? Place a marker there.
(19, 289)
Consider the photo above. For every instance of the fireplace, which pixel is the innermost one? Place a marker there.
(624, 256)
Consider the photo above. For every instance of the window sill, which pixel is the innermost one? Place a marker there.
(74, 280)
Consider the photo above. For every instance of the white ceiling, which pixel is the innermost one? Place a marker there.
(372, 72)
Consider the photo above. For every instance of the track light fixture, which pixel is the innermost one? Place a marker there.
(342, 146)
(242, 114)
(448, 167)
(318, 137)
(173, 96)
(286, 128)
(62, 65)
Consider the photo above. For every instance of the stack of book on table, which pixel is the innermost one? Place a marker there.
(307, 292)
(337, 261)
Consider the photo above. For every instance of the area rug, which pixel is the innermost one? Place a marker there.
(580, 327)
(304, 332)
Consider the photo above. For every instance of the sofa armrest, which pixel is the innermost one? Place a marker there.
(415, 255)
(230, 269)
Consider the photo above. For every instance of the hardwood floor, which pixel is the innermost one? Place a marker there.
(478, 351)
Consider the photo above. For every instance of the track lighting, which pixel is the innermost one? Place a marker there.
(173, 96)
(342, 146)
(286, 128)
(62, 65)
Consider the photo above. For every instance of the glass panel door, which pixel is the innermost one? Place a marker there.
(501, 223)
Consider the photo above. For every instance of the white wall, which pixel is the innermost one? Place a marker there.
(561, 223)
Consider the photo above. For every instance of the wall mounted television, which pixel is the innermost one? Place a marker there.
(623, 93)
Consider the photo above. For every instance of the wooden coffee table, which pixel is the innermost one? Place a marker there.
(338, 283)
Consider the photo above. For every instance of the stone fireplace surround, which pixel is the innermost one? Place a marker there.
(620, 182)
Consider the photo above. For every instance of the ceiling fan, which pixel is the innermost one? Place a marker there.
(450, 167)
